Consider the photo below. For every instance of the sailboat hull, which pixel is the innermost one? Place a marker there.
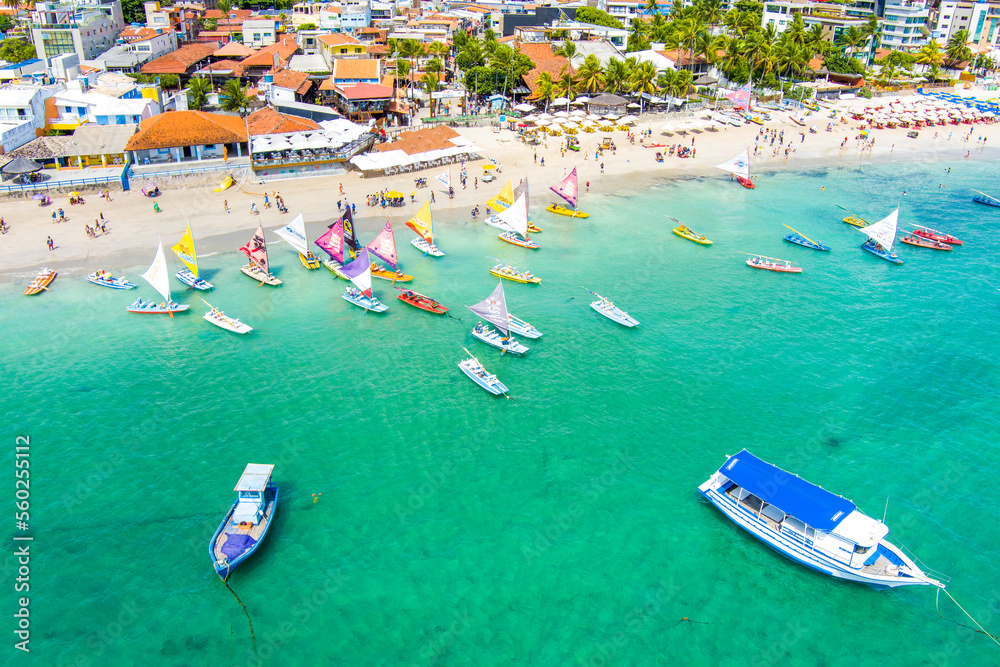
(889, 257)
(802, 241)
(309, 261)
(559, 209)
(189, 279)
(746, 182)
(427, 248)
(514, 239)
(260, 276)
(691, 236)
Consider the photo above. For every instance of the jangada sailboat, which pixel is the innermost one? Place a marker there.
(422, 223)
(332, 243)
(156, 275)
(294, 233)
(514, 224)
(185, 252)
(507, 196)
(493, 309)
(256, 252)
(739, 167)
(383, 246)
(359, 272)
(569, 190)
(881, 237)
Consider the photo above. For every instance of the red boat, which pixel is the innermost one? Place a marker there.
(421, 301)
(746, 182)
(935, 235)
(925, 243)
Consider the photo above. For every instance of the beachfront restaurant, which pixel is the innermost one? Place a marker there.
(180, 136)
(607, 104)
(306, 152)
(363, 101)
(415, 150)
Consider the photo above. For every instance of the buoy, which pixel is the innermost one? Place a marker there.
(316, 497)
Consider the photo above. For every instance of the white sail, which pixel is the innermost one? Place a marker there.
(295, 234)
(359, 272)
(516, 217)
(156, 274)
(445, 177)
(739, 165)
(883, 232)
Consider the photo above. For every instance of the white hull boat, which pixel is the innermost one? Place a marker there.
(219, 319)
(613, 313)
(105, 279)
(480, 376)
(153, 308)
(809, 525)
(258, 275)
(522, 328)
(426, 248)
(491, 337)
(358, 298)
(189, 279)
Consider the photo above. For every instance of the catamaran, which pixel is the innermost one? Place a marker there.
(185, 252)
(294, 233)
(605, 307)
(480, 376)
(256, 252)
(156, 275)
(105, 279)
(801, 239)
(739, 167)
(247, 521)
(332, 243)
(493, 309)
(422, 223)
(809, 525)
(881, 237)
(359, 272)
(569, 190)
(383, 246)
(514, 224)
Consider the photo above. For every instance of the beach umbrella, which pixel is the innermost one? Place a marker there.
(21, 165)
(530, 118)
(561, 114)
(667, 127)
(633, 105)
(560, 100)
(578, 112)
(580, 100)
(546, 116)
(611, 116)
(593, 116)
(543, 122)
(392, 194)
(569, 124)
(524, 107)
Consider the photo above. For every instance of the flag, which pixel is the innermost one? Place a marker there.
(445, 177)
(741, 97)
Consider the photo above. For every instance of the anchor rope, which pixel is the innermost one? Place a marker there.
(982, 630)
(253, 638)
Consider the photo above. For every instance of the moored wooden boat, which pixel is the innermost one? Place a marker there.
(689, 234)
(772, 264)
(508, 272)
(193, 281)
(515, 239)
(335, 268)
(746, 182)
(41, 282)
(605, 307)
(983, 198)
(254, 272)
(804, 241)
(105, 279)
(478, 374)
(153, 308)
(522, 328)
(185, 251)
(809, 525)
(389, 274)
(559, 209)
(247, 522)
(876, 249)
(921, 242)
(258, 267)
(934, 235)
(856, 221)
(421, 301)
(361, 300)
(533, 228)
(219, 319)
(309, 260)
(503, 343)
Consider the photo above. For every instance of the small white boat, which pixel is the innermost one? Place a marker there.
(254, 272)
(358, 298)
(105, 279)
(219, 319)
(425, 247)
(522, 328)
(495, 222)
(613, 313)
(153, 308)
(480, 376)
(191, 280)
(491, 337)
(810, 525)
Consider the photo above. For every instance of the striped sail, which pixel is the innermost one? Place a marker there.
(256, 250)
(567, 188)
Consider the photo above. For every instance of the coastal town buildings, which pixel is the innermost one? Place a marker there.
(86, 28)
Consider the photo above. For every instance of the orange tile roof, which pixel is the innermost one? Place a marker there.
(545, 61)
(268, 121)
(421, 141)
(292, 80)
(173, 129)
(224, 65)
(285, 48)
(357, 68)
(137, 34)
(234, 50)
(233, 14)
(378, 49)
(179, 61)
(338, 39)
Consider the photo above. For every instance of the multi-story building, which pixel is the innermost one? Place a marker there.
(626, 10)
(150, 42)
(306, 12)
(103, 105)
(355, 14)
(181, 19)
(259, 32)
(981, 19)
(903, 25)
(86, 28)
(22, 111)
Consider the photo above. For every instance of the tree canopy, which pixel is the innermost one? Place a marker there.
(595, 16)
(15, 50)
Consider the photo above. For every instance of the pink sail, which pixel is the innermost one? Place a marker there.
(256, 250)
(384, 246)
(332, 242)
(567, 188)
(741, 97)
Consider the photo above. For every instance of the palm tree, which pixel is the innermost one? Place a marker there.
(590, 76)
(643, 80)
(503, 60)
(673, 83)
(796, 30)
(545, 89)
(874, 30)
(709, 11)
(567, 50)
(566, 84)
(431, 85)
(652, 7)
(852, 38)
(224, 6)
(957, 50)
(402, 73)
(930, 54)
(616, 76)
(198, 90)
(235, 96)
(637, 39)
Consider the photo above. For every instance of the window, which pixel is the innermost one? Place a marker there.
(56, 42)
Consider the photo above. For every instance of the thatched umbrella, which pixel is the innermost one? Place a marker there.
(19, 166)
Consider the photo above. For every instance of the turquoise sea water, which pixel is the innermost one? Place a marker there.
(561, 527)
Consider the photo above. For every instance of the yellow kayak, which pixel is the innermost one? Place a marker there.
(532, 228)
(562, 210)
(389, 274)
(856, 221)
(309, 261)
(691, 235)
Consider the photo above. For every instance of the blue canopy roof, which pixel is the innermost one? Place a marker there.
(793, 495)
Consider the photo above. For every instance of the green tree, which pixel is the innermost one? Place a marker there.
(643, 80)
(6, 23)
(616, 76)
(595, 16)
(638, 40)
(545, 89)
(566, 84)
(957, 49)
(652, 7)
(851, 39)
(235, 96)
(224, 6)
(306, 26)
(930, 54)
(198, 90)
(133, 11)
(590, 75)
(431, 84)
(674, 83)
(567, 50)
(15, 50)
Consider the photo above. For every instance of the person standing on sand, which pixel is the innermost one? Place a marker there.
(50, 242)
(225, 205)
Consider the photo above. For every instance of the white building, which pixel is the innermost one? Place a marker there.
(22, 111)
(258, 33)
(901, 27)
(87, 28)
(105, 105)
(981, 19)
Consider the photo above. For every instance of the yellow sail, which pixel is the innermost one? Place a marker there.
(504, 199)
(185, 251)
(421, 223)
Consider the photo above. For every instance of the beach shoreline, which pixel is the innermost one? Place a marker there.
(135, 228)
